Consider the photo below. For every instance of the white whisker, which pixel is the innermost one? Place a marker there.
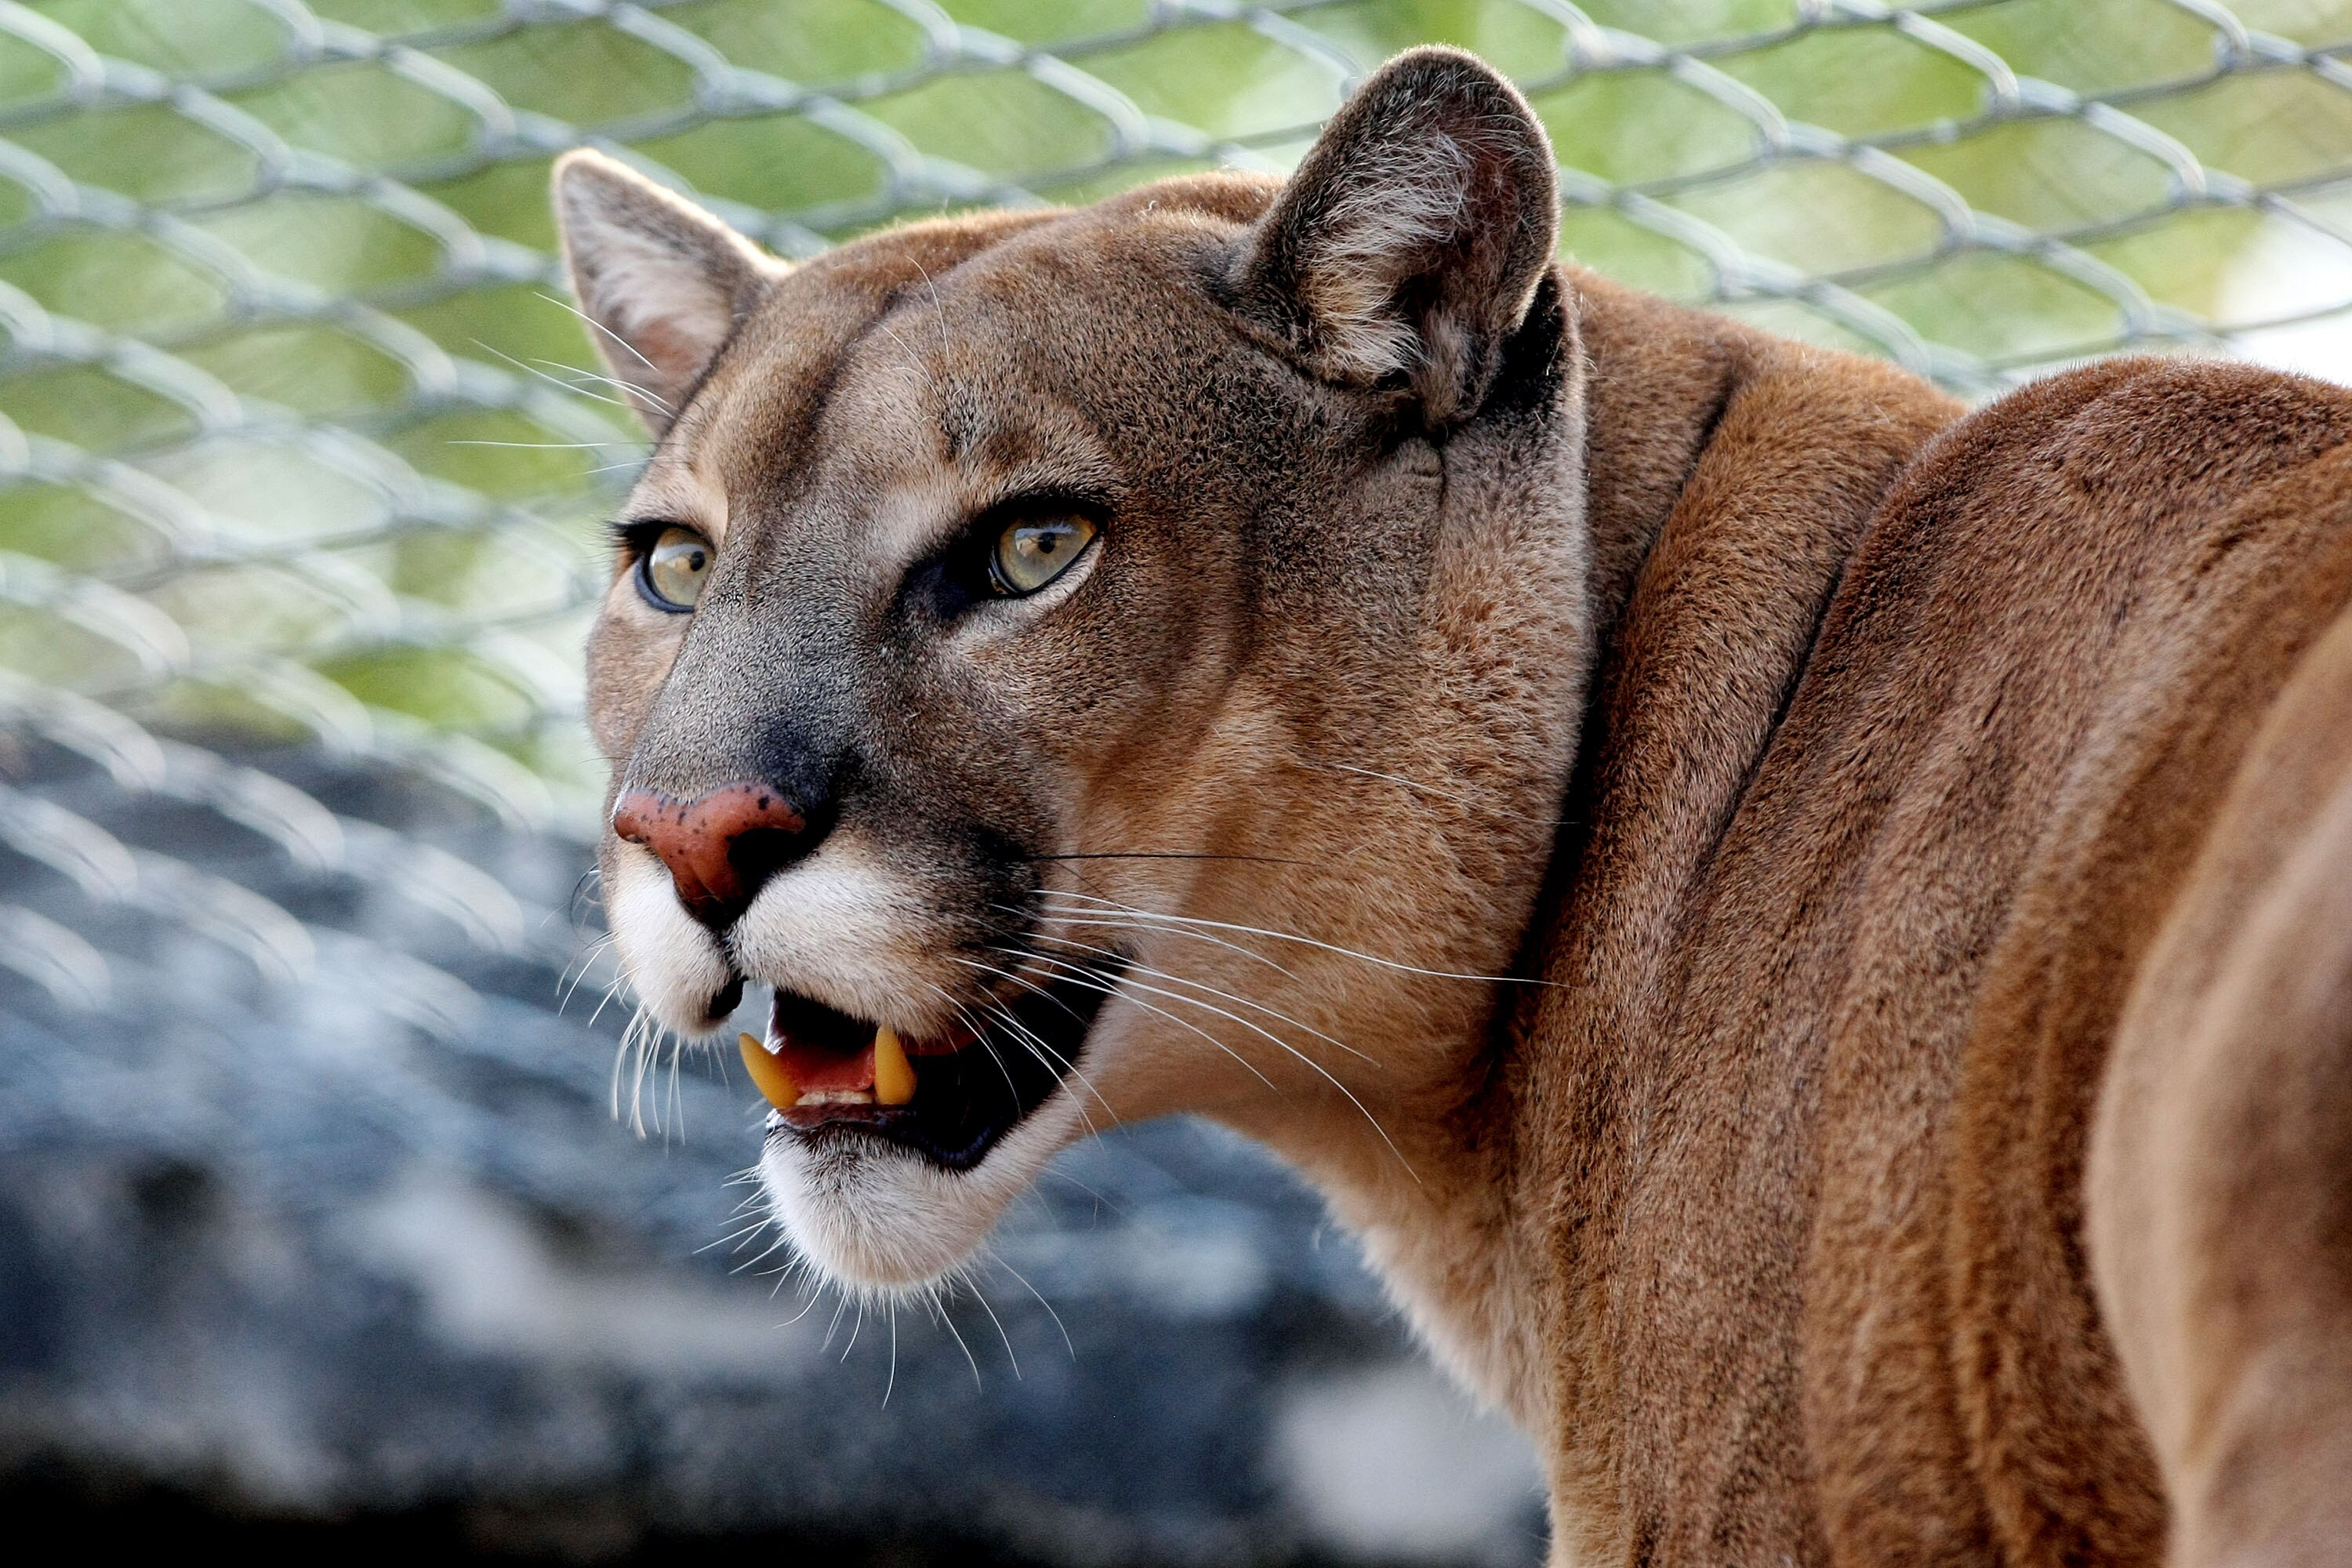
(1306, 942)
(626, 346)
(1276, 1014)
(1126, 988)
(648, 393)
(1037, 1047)
(611, 991)
(1250, 953)
(980, 1033)
(855, 1328)
(949, 1320)
(1080, 976)
(1010, 1359)
(552, 381)
(998, 1259)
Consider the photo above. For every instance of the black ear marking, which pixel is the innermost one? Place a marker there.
(1412, 237)
(662, 282)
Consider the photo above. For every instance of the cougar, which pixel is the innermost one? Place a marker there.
(1808, 930)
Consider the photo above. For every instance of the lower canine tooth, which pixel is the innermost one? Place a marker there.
(768, 1074)
(894, 1075)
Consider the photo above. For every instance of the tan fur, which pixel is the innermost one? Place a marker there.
(1914, 1121)
(1856, 1014)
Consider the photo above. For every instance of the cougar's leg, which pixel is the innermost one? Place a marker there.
(2220, 1189)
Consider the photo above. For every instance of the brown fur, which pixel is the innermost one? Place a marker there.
(1916, 1126)
(1835, 1014)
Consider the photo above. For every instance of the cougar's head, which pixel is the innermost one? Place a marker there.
(1092, 664)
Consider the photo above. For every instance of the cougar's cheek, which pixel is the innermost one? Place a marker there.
(675, 964)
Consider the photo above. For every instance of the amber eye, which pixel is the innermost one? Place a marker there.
(1032, 552)
(672, 573)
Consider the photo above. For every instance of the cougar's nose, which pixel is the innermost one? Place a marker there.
(721, 849)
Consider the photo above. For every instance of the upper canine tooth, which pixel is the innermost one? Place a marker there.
(894, 1075)
(768, 1074)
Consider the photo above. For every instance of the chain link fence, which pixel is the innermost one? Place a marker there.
(296, 439)
(302, 464)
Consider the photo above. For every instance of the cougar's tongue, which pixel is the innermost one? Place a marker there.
(818, 1047)
(815, 1066)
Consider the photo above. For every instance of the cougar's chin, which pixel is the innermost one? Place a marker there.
(889, 1156)
(877, 1215)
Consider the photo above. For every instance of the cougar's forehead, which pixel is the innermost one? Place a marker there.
(1008, 351)
(745, 442)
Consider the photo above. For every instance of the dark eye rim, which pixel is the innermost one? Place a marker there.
(637, 539)
(991, 525)
(958, 578)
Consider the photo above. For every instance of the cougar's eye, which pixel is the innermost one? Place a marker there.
(1035, 551)
(672, 573)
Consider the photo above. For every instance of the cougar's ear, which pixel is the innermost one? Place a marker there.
(664, 282)
(1412, 237)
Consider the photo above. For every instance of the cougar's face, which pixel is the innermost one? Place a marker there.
(926, 641)
(1022, 644)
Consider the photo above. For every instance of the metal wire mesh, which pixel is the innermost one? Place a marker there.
(293, 435)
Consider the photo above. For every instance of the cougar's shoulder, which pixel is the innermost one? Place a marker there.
(1845, 951)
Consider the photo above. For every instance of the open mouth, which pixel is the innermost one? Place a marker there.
(949, 1098)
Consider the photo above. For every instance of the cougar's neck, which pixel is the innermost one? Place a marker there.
(1553, 502)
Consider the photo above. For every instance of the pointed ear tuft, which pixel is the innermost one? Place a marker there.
(664, 282)
(1412, 237)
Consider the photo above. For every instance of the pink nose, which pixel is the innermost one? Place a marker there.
(720, 848)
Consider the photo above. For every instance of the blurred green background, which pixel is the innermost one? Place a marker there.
(293, 440)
